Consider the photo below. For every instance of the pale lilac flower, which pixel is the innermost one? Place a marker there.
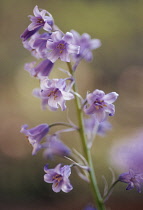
(54, 93)
(54, 146)
(86, 46)
(42, 69)
(35, 135)
(60, 46)
(41, 18)
(133, 179)
(100, 104)
(59, 176)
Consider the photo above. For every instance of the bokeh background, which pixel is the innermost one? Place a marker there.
(117, 66)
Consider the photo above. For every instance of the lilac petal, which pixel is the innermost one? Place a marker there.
(76, 36)
(68, 37)
(85, 36)
(58, 168)
(90, 110)
(73, 49)
(95, 43)
(111, 109)
(66, 187)
(56, 36)
(32, 26)
(100, 93)
(56, 186)
(66, 170)
(37, 92)
(36, 11)
(47, 27)
(36, 148)
(44, 68)
(100, 115)
(49, 176)
(52, 102)
(62, 104)
(27, 34)
(110, 97)
(65, 56)
(88, 56)
(53, 56)
(67, 95)
(43, 128)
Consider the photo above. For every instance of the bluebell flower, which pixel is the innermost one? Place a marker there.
(28, 44)
(42, 69)
(59, 177)
(86, 46)
(133, 179)
(35, 135)
(54, 93)
(100, 104)
(41, 18)
(54, 146)
(60, 46)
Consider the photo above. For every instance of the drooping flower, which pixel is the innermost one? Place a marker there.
(99, 104)
(93, 127)
(54, 146)
(59, 176)
(28, 44)
(41, 18)
(133, 179)
(42, 69)
(54, 93)
(86, 46)
(60, 46)
(35, 135)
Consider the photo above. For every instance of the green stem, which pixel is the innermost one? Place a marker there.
(64, 124)
(97, 196)
(110, 190)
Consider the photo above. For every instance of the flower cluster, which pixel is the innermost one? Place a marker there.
(94, 110)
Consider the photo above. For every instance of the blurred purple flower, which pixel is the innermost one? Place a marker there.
(133, 179)
(59, 176)
(42, 69)
(60, 46)
(35, 135)
(54, 93)
(41, 18)
(86, 46)
(54, 146)
(93, 128)
(100, 104)
(128, 153)
(89, 207)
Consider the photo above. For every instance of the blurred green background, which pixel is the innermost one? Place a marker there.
(117, 66)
